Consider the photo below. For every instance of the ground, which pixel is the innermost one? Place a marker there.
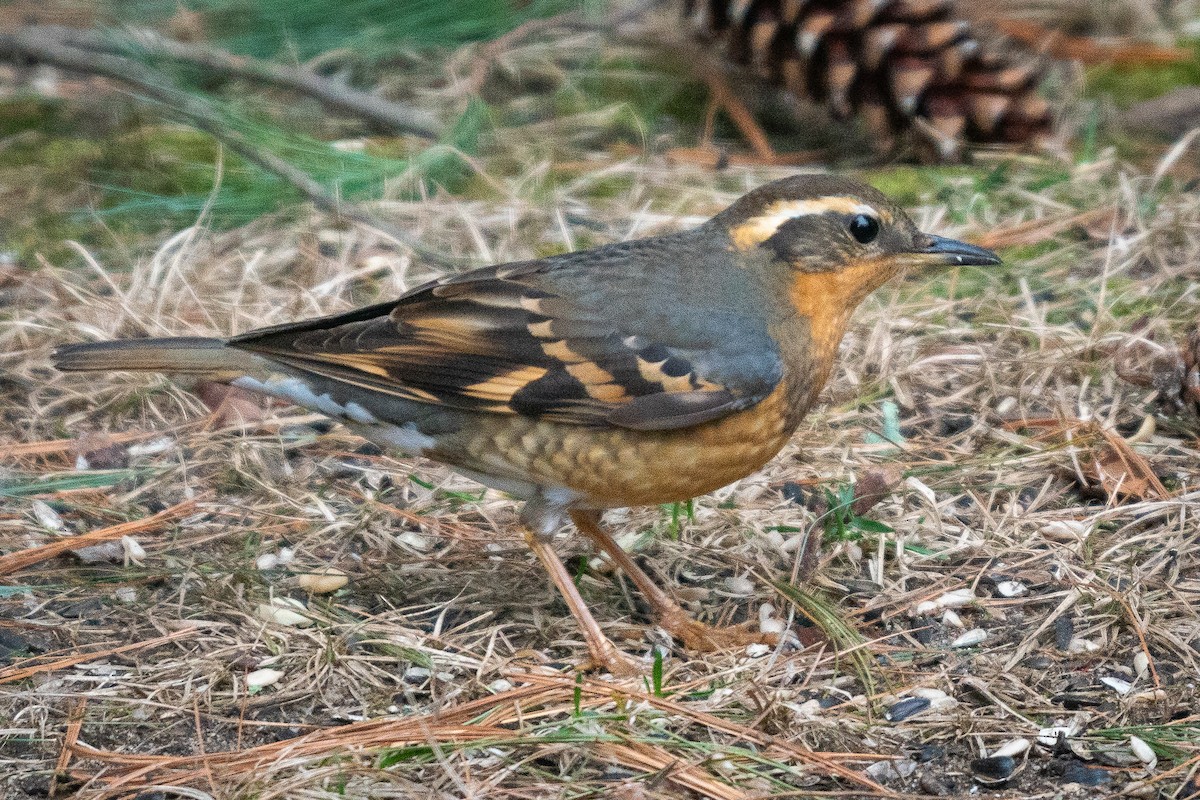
(1016, 618)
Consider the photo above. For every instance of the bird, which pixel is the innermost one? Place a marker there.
(634, 373)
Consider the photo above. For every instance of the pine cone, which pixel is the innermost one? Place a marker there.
(903, 65)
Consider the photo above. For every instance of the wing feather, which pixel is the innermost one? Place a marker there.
(510, 339)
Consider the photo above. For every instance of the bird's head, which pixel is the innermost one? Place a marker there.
(829, 224)
(825, 242)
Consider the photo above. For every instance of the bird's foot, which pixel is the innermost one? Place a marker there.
(613, 661)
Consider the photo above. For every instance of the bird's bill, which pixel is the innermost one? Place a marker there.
(954, 253)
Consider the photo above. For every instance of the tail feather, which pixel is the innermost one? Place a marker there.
(192, 355)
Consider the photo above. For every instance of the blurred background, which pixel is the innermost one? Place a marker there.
(122, 120)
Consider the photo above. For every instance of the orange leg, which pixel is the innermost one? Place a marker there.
(604, 653)
(671, 616)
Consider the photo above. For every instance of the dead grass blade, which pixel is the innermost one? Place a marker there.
(21, 559)
(22, 669)
(70, 737)
(1035, 231)
(639, 755)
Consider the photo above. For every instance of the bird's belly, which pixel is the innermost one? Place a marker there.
(613, 468)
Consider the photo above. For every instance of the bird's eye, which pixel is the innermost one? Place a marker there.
(864, 228)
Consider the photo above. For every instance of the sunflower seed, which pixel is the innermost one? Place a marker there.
(263, 677)
(1118, 685)
(1143, 751)
(970, 638)
(993, 769)
(324, 581)
(1014, 747)
(906, 708)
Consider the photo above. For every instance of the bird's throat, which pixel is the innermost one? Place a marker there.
(834, 294)
(825, 301)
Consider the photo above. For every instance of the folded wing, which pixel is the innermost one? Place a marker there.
(508, 340)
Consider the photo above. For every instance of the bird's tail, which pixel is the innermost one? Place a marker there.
(189, 355)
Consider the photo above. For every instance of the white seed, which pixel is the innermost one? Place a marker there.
(885, 770)
(263, 677)
(1011, 588)
(757, 650)
(150, 448)
(323, 581)
(414, 540)
(938, 700)
(956, 599)
(286, 554)
(46, 516)
(1141, 665)
(809, 709)
(134, 552)
(126, 594)
(1049, 736)
(952, 619)
(768, 622)
(500, 685)
(1117, 685)
(417, 675)
(853, 552)
(266, 561)
(1143, 751)
(97, 553)
(282, 612)
(970, 638)
(943, 704)
(1066, 530)
(1082, 646)
(921, 489)
(1011, 748)
(1006, 406)
(739, 586)
(793, 543)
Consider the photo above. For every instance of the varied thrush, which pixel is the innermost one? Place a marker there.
(635, 373)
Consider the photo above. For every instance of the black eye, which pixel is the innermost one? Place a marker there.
(864, 228)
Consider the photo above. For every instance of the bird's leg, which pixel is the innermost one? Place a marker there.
(604, 654)
(670, 615)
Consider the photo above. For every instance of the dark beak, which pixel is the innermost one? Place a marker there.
(957, 254)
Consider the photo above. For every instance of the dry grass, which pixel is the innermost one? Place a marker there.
(443, 669)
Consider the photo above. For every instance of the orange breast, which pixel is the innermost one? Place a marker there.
(616, 467)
